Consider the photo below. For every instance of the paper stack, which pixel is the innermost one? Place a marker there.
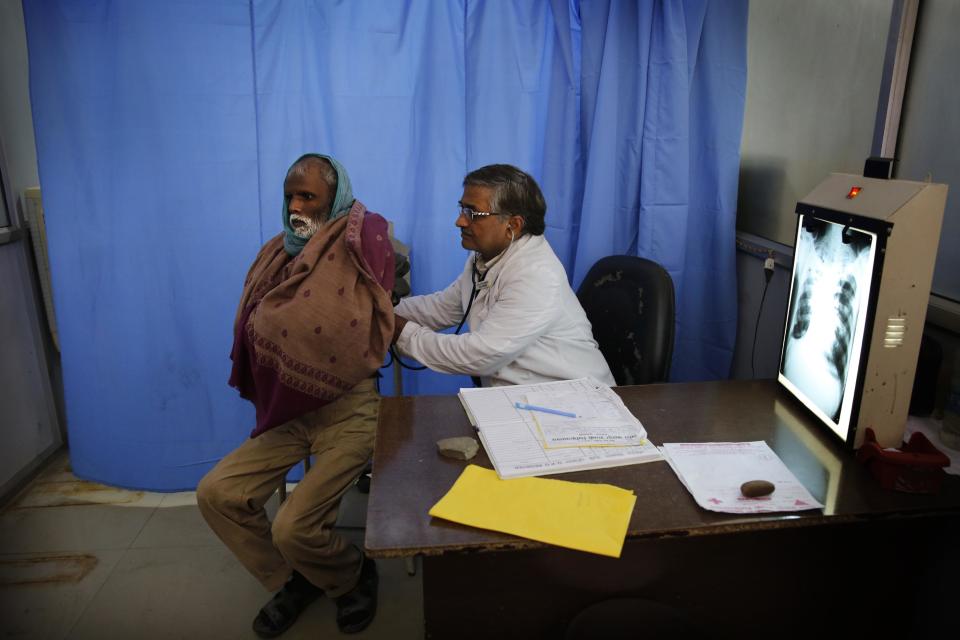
(714, 471)
(587, 427)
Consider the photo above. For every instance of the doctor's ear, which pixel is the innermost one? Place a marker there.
(516, 225)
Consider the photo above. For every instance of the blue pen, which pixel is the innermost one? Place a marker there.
(533, 407)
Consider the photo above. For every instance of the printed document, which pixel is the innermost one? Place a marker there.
(601, 420)
(523, 442)
(714, 471)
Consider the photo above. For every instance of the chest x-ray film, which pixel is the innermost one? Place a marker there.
(826, 321)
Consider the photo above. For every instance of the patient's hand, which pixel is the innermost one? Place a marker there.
(399, 322)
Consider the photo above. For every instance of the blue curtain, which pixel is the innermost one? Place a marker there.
(164, 129)
(663, 86)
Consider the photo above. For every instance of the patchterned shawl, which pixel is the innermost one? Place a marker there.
(310, 327)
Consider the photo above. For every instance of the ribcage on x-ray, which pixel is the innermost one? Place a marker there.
(840, 350)
(831, 281)
(802, 321)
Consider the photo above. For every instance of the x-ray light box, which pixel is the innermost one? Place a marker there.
(863, 265)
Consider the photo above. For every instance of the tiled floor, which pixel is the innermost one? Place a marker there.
(81, 560)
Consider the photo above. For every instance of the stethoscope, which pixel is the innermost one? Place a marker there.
(478, 281)
(478, 284)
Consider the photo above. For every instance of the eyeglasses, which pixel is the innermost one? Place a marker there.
(470, 214)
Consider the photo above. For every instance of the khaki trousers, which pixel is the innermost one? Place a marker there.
(231, 496)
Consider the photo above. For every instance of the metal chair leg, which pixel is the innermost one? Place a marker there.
(282, 490)
(363, 481)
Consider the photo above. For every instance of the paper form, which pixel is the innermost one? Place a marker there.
(587, 517)
(513, 440)
(493, 408)
(713, 472)
(602, 420)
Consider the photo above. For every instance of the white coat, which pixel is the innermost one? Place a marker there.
(525, 326)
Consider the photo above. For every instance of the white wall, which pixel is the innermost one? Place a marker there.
(930, 130)
(800, 125)
(16, 123)
(29, 427)
(814, 70)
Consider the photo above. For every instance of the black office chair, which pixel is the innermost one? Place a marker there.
(630, 303)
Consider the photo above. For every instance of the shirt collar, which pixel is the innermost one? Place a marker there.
(485, 265)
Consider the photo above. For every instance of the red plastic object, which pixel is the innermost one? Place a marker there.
(917, 468)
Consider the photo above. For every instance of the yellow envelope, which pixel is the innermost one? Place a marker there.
(576, 515)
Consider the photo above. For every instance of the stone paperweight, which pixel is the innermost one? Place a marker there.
(462, 448)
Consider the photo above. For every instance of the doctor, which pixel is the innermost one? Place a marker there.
(524, 323)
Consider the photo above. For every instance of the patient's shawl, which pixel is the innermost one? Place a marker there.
(309, 328)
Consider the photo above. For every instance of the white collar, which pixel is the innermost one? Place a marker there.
(485, 265)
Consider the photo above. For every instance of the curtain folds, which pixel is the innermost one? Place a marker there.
(163, 131)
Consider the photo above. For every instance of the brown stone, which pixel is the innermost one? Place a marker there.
(460, 448)
(756, 488)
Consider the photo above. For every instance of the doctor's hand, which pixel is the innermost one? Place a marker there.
(399, 322)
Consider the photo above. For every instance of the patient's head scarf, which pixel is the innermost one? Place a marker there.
(342, 201)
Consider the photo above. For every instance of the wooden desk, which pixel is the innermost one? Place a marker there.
(868, 550)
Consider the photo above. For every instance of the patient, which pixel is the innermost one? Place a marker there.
(312, 328)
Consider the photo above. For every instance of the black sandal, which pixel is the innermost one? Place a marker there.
(357, 607)
(282, 611)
